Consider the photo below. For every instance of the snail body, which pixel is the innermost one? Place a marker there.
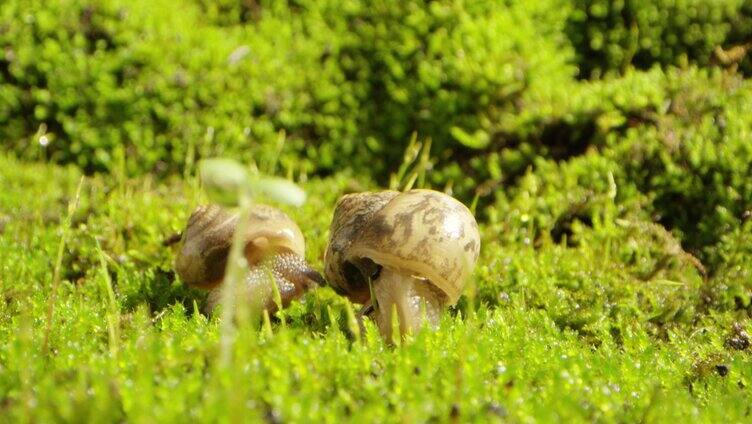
(416, 248)
(274, 247)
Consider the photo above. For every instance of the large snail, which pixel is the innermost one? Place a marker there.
(417, 249)
(274, 247)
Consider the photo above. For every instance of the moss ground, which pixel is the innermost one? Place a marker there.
(549, 331)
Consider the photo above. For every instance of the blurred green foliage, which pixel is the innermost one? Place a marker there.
(455, 72)
(105, 81)
(612, 35)
(347, 82)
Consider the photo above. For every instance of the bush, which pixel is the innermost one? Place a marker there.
(679, 137)
(611, 35)
(455, 72)
(107, 81)
(654, 205)
(103, 81)
(564, 124)
(583, 249)
(694, 157)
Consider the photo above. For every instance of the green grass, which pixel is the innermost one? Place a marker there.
(609, 323)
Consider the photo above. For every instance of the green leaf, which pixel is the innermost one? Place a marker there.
(279, 189)
(224, 180)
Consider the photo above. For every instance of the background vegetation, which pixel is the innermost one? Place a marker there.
(606, 146)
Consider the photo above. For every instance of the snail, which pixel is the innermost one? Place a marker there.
(274, 246)
(416, 249)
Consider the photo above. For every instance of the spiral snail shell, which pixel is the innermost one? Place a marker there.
(416, 248)
(274, 246)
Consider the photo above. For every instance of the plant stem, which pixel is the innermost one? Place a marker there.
(234, 272)
(58, 264)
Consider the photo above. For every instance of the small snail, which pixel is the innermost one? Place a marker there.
(274, 246)
(417, 248)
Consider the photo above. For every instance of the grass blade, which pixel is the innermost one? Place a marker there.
(72, 207)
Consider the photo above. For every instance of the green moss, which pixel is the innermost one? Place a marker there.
(608, 323)
(449, 68)
(611, 36)
(107, 81)
(614, 282)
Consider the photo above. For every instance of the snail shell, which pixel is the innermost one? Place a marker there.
(414, 238)
(273, 243)
(351, 215)
(208, 236)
